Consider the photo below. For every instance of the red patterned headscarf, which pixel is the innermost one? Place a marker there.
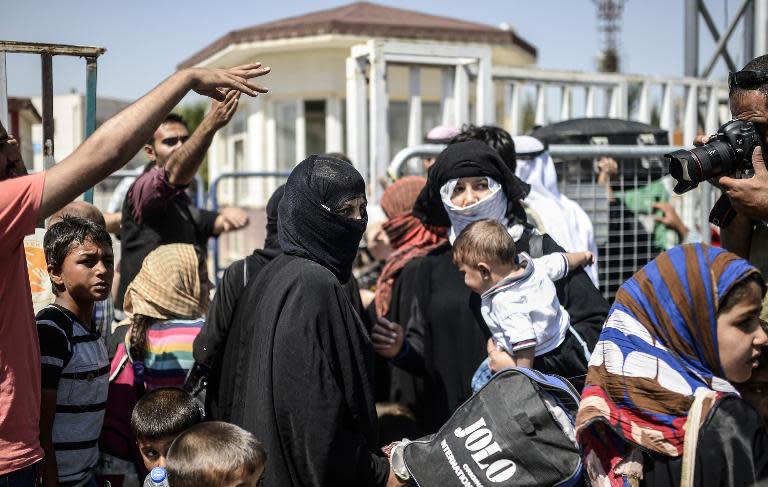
(408, 237)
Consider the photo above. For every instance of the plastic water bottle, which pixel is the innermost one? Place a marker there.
(158, 477)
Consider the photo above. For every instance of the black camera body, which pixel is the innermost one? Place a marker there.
(727, 152)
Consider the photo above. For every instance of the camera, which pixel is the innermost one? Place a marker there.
(728, 152)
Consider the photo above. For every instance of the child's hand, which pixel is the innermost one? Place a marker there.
(588, 258)
(388, 338)
(499, 359)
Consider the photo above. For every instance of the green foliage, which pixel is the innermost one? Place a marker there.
(529, 115)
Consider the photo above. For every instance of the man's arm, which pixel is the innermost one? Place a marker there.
(737, 236)
(121, 137)
(184, 162)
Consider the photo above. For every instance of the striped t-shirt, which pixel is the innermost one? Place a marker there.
(168, 357)
(73, 362)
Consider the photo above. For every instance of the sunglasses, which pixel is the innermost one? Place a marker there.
(172, 141)
(747, 79)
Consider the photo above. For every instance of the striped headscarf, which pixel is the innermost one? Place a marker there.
(658, 349)
(168, 285)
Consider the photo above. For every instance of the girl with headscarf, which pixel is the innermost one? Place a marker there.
(304, 389)
(165, 305)
(685, 326)
(446, 334)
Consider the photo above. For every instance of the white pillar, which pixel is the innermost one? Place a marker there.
(461, 95)
(541, 105)
(414, 107)
(271, 145)
(448, 103)
(712, 121)
(690, 122)
(617, 107)
(357, 116)
(254, 146)
(334, 138)
(761, 28)
(379, 131)
(512, 107)
(566, 103)
(667, 119)
(590, 108)
(644, 105)
(301, 132)
(485, 105)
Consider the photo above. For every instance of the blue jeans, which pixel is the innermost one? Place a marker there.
(481, 377)
(26, 477)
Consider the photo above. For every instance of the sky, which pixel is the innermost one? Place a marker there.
(145, 40)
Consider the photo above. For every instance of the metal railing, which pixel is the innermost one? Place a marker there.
(46, 53)
(214, 204)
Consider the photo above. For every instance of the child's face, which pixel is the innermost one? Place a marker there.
(740, 336)
(153, 452)
(87, 271)
(252, 480)
(475, 278)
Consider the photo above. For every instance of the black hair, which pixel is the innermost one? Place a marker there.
(497, 139)
(164, 412)
(65, 234)
(737, 292)
(759, 63)
(170, 118)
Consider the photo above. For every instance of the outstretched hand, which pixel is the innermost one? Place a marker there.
(749, 197)
(211, 82)
(222, 111)
(388, 338)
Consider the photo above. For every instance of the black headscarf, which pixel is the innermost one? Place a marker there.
(308, 223)
(271, 241)
(468, 159)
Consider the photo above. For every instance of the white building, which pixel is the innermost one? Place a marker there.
(306, 110)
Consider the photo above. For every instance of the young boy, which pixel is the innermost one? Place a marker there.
(75, 368)
(216, 454)
(519, 303)
(158, 418)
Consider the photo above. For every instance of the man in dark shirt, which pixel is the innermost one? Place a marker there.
(157, 209)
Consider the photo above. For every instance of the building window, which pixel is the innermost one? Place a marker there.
(285, 122)
(314, 117)
(398, 122)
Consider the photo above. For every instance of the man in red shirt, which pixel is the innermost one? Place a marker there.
(24, 199)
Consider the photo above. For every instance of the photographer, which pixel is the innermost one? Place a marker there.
(747, 234)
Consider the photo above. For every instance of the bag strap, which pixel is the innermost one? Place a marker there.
(549, 380)
(691, 440)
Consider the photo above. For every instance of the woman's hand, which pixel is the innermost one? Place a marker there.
(388, 338)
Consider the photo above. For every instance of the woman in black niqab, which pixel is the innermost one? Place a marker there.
(305, 387)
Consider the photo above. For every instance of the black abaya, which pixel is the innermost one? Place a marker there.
(305, 390)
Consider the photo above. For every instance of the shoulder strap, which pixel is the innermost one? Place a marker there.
(536, 245)
(550, 380)
(691, 440)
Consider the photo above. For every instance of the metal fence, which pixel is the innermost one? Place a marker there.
(626, 233)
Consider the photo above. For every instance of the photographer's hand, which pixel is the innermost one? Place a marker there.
(749, 197)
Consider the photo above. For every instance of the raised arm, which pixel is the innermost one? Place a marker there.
(121, 137)
(184, 163)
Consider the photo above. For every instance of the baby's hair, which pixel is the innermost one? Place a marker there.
(484, 241)
(213, 454)
(737, 292)
(163, 413)
(65, 234)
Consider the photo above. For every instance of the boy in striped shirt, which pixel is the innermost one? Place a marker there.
(75, 367)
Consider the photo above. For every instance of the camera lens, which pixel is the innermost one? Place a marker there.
(689, 168)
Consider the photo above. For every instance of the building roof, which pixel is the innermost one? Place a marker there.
(366, 19)
(16, 104)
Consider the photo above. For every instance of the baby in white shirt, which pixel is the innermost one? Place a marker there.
(519, 300)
